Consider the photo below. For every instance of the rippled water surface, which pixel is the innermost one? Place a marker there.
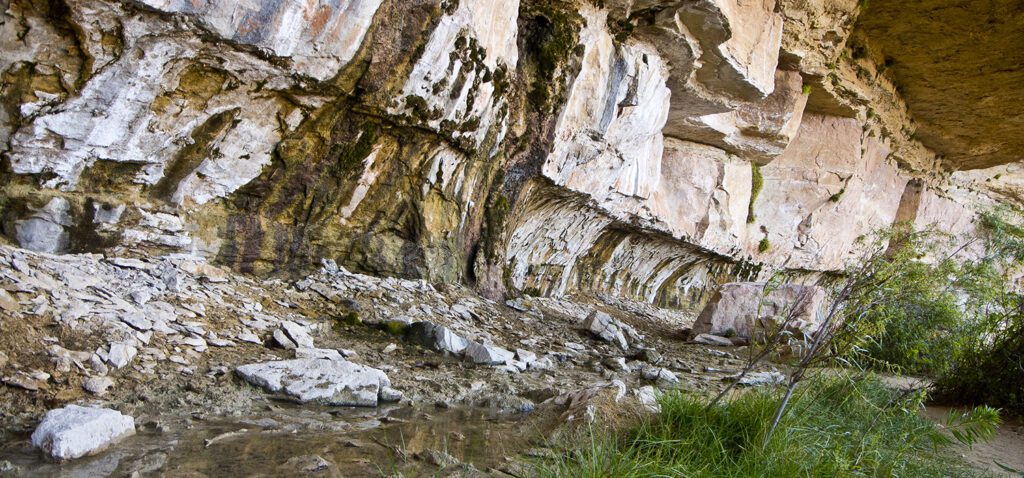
(285, 440)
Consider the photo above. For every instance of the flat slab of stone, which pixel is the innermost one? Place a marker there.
(710, 339)
(73, 431)
(326, 381)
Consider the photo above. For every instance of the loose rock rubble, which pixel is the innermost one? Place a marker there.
(608, 329)
(163, 335)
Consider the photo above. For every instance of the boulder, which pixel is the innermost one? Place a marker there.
(326, 381)
(666, 378)
(648, 398)
(743, 309)
(298, 334)
(487, 354)
(73, 431)
(45, 230)
(98, 385)
(606, 328)
(282, 339)
(526, 356)
(436, 337)
(120, 354)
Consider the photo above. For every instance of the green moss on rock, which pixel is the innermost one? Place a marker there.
(554, 36)
(756, 183)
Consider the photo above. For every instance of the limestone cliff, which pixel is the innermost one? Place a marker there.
(643, 148)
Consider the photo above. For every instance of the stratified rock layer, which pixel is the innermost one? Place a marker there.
(648, 149)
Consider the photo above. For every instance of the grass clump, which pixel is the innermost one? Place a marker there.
(395, 327)
(839, 426)
(764, 245)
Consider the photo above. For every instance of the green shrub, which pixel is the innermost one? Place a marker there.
(920, 331)
(838, 426)
(990, 368)
(958, 319)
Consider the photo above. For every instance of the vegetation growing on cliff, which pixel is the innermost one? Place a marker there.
(553, 36)
(756, 183)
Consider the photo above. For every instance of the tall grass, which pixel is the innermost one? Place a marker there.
(838, 426)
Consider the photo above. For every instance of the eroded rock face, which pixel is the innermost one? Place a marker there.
(959, 88)
(652, 149)
(750, 311)
(318, 38)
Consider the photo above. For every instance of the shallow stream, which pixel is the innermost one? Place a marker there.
(289, 440)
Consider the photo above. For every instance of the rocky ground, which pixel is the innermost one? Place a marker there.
(167, 341)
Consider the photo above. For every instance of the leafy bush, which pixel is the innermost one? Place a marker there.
(903, 314)
(838, 426)
(920, 327)
(958, 319)
(990, 368)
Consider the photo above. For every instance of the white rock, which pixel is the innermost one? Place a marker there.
(487, 354)
(526, 356)
(121, 354)
(44, 230)
(388, 394)
(282, 339)
(436, 337)
(315, 48)
(73, 431)
(137, 321)
(518, 365)
(98, 385)
(331, 382)
(647, 397)
(248, 336)
(708, 339)
(98, 364)
(761, 378)
(298, 333)
(666, 378)
(606, 328)
(543, 363)
(747, 308)
(329, 354)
